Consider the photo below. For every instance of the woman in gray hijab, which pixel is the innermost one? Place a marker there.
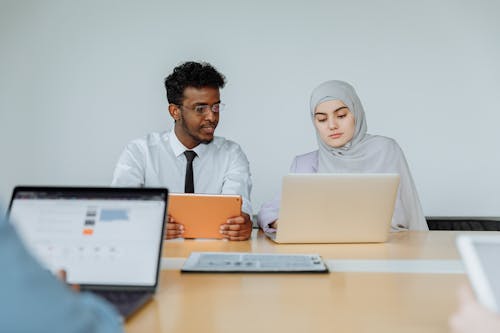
(345, 147)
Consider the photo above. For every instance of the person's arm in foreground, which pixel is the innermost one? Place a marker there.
(33, 300)
(473, 317)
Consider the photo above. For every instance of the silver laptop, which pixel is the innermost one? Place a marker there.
(336, 208)
(108, 240)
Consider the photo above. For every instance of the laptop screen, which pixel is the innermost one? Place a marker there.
(100, 236)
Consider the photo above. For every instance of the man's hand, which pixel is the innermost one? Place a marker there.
(237, 228)
(174, 229)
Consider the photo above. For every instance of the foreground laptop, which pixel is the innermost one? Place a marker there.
(336, 208)
(108, 240)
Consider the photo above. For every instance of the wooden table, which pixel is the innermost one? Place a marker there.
(341, 301)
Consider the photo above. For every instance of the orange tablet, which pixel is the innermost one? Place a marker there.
(202, 214)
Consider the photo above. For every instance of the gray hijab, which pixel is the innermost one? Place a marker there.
(367, 153)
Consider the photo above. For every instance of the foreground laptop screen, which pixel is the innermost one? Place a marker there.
(99, 238)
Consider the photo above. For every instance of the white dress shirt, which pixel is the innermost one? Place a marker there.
(158, 160)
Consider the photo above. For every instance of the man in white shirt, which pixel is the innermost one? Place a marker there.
(189, 158)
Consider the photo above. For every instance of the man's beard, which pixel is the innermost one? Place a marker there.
(193, 136)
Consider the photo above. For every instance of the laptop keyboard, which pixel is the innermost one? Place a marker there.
(126, 302)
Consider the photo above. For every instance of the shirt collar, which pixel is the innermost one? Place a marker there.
(178, 148)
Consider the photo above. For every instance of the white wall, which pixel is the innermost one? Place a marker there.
(79, 79)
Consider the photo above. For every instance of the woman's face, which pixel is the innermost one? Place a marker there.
(334, 122)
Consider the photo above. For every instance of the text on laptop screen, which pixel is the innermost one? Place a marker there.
(105, 241)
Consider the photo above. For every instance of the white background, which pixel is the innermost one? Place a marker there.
(80, 79)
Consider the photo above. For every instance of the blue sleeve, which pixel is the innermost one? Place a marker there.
(33, 300)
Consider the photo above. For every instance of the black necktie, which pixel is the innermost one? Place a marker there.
(189, 182)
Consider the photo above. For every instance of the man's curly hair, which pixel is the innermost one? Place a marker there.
(191, 74)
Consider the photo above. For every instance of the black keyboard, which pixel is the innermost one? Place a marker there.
(126, 302)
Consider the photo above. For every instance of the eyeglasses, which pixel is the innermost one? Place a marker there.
(202, 110)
